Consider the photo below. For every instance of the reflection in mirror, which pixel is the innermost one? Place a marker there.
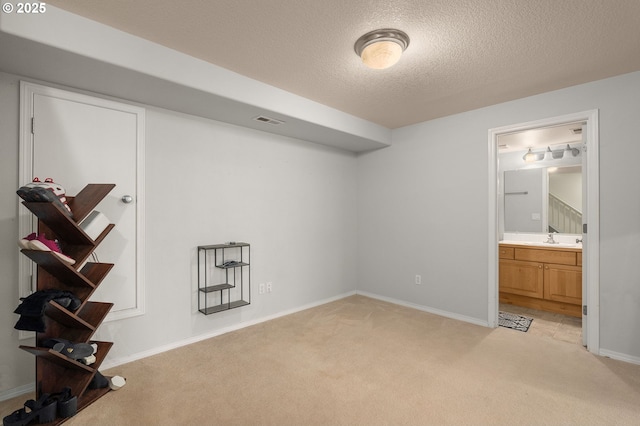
(524, 192)
(565, 200)
(545, 199)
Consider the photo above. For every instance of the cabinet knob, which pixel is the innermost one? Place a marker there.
(539, 266)
(127, 199)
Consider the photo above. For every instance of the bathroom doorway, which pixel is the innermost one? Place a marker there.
(588, 149)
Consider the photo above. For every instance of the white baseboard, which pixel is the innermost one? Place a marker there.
(619, 356)
(603, 352)
(428, 309)
(15, 392)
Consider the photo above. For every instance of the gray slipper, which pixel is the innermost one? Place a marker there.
(74, 350)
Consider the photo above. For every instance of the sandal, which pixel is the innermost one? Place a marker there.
(67, 403)
(44, 410)
(75, 351)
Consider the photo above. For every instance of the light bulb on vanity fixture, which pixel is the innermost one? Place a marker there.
(573, 151)
(529, 156)
(381, 48)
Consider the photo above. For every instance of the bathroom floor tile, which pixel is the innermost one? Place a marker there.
(549, 324)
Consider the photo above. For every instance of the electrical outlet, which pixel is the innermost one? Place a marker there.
(418, 279)
(269, 287)
(261, 288)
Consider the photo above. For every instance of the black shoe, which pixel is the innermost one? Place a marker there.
(98, 381)
(44, 410)
(67, 403)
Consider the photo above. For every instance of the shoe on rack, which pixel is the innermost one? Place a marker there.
(66, 347)
(98, 381)
(69, 302)
(24, 242)
(67, 403)
(43, 244)
(116, 382)
(75, 351)
(43, 410)
(47, 191)
(24, 191)
(88, 360)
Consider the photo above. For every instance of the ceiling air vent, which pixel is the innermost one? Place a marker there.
(268, 120)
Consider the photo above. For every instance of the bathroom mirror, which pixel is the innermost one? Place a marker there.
(543, 199)
(540, 180)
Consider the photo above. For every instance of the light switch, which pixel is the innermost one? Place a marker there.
(535, 216)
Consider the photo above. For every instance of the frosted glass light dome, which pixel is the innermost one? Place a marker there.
(382, 54)
(381, 49)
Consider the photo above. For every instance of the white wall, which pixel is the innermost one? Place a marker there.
(206, 183)
(423, 210)
(16, 369)
(423, 207)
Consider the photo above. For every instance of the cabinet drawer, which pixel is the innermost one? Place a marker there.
(546, 256)
(505, 252)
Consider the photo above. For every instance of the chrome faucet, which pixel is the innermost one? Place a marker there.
(578, 240)
(550, 240)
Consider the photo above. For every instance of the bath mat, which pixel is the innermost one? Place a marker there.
(517, 322)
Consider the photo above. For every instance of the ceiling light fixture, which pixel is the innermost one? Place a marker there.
(382, 48)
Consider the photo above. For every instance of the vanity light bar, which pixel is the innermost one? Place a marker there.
(557, 154)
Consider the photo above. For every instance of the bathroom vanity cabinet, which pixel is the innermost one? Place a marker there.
(543, 278)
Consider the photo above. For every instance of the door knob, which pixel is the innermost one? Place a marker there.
(127, 199)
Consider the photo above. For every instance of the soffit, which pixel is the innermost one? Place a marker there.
(464, 54)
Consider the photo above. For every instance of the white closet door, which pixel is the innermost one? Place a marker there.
(78, 139)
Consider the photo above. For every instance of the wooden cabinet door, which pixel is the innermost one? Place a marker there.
(522, 278)
(563, 283)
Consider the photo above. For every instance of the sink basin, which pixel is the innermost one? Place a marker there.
(529, 243)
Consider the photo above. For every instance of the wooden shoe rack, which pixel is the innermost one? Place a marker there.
(54, 371)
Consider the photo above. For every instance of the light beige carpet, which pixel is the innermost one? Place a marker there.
(360, 361)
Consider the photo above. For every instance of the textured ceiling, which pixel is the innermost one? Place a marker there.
(464, 54)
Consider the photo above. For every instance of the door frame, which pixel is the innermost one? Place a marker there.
(591, 247)
(27, 222)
